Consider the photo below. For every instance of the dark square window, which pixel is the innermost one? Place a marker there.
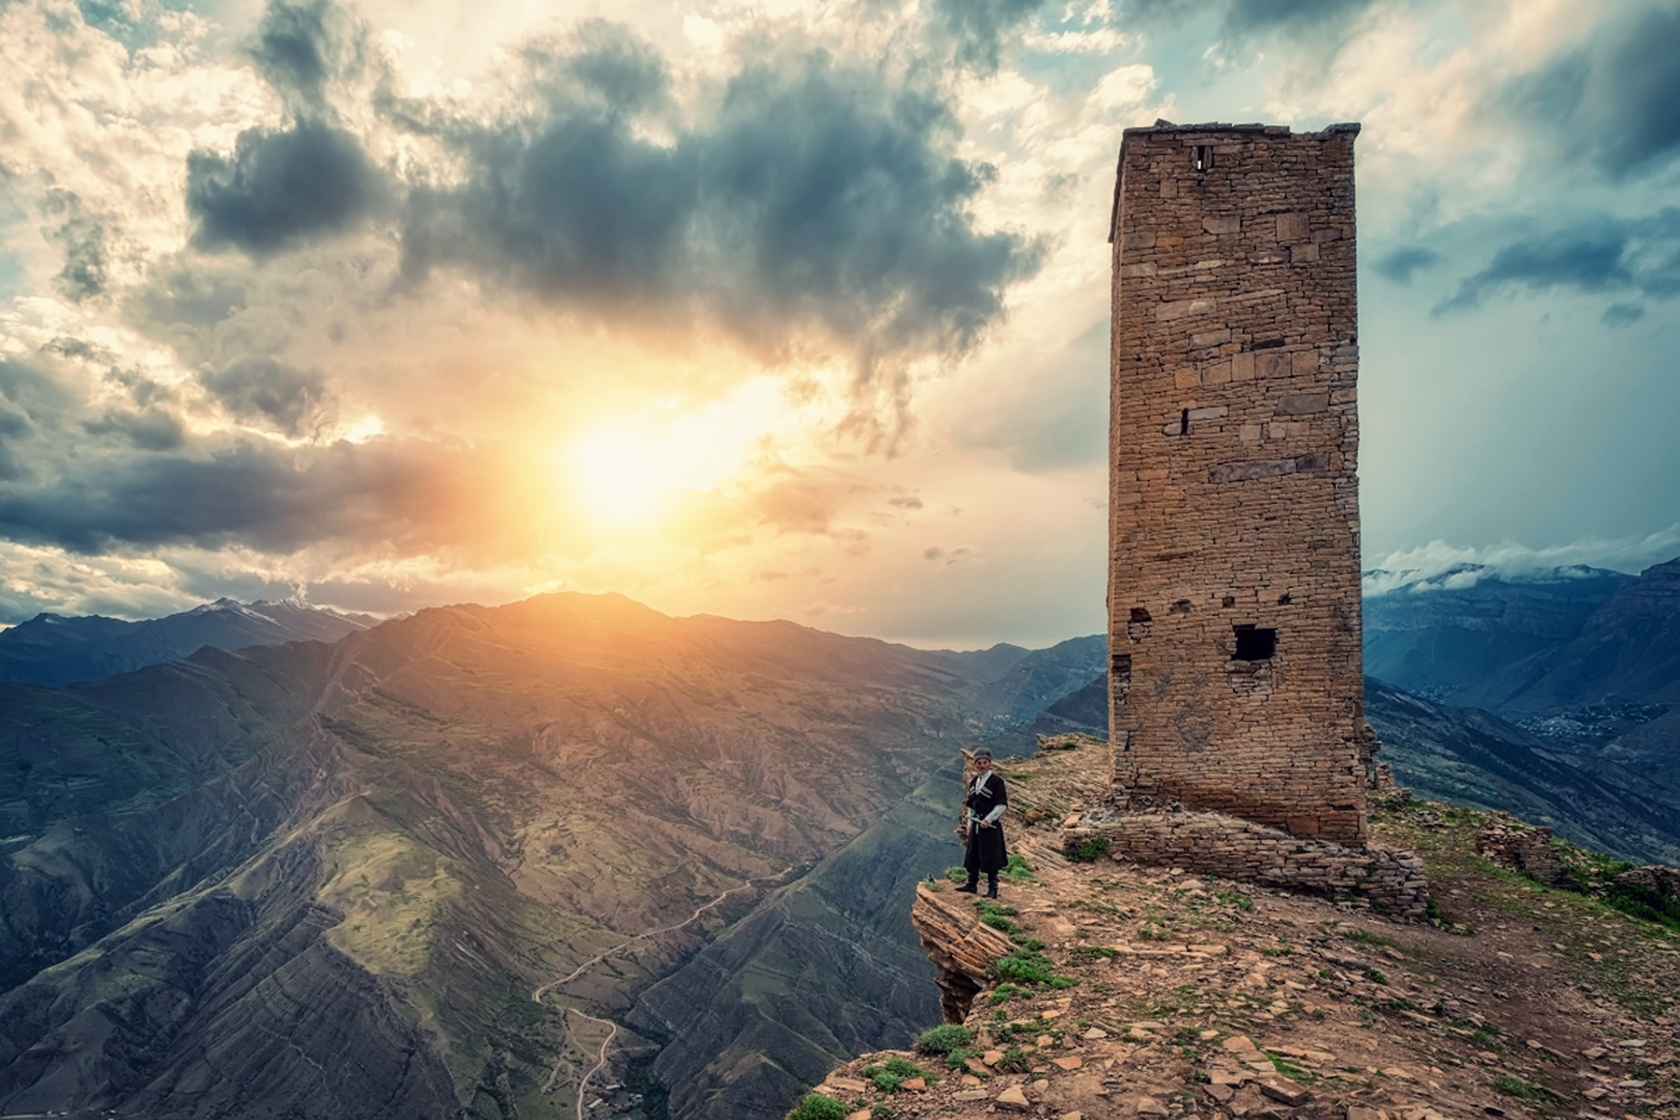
(1254, 644)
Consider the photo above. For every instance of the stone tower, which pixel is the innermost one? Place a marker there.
(1234, 614)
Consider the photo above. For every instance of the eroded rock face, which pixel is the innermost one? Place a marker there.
(960, 947)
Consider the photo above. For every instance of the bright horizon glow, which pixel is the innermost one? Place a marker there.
(631, 476)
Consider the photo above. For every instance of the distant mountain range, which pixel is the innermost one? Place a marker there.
(1555, 695)
(52, 649)
(323, 880)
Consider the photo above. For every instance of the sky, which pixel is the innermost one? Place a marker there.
(777, 310)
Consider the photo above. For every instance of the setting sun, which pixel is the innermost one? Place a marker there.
(629, 475)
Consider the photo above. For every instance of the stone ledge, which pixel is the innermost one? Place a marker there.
(961, 948)
(1391, 882)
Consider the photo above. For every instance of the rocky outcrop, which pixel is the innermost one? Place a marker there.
(961, 948)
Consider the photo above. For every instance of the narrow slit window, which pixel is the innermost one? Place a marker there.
(1201, 159)
(1184, 422)
(1254, 643)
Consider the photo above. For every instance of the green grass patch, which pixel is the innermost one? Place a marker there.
(1365, 937)
(1235, 898)
(816, 1106)
(891, 1074)
(1005, 992)
(1089, 850)
(1027, 967)
(957, 874)
(944, 1038)
(1014, 1060)
(1516, 1087)
(1019, 871)
(1644, 903)
(1289, 1069)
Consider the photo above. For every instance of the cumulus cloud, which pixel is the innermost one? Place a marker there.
(291, 401)
(817, 196)
(1602, 254)
(280, 187)
(151, 429)
(84, 274)
(301, 49)
(978, 28)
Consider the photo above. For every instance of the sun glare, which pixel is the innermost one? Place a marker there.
(630, 475)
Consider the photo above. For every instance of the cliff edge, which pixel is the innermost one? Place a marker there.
(1103, 988)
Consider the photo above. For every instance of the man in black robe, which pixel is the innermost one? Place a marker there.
(986, 802)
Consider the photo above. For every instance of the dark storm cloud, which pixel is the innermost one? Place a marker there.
(280, 187)
(292, 401)
(815, 194)
(405, 495)
(1251, 16)
(978, 28)
(301, 48)
(152, 429)
(1600, 255)
(83, 239)
(137, 477)
(1402, 264)
(1616, 98)
(14, 425)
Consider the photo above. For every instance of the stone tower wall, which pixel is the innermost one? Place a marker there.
(1234, 499)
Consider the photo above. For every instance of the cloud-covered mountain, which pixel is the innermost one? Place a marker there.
(1564, 694)
(1442, 633)
(53, 650)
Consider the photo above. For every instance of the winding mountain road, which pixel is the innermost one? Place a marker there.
(612, 1027)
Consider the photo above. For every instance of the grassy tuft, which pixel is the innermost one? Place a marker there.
(944, 1038)
(816, 1106)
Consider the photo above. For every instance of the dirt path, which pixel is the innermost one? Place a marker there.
(612, 1027)
(539, 992)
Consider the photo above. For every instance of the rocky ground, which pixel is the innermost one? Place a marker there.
(1138, 991)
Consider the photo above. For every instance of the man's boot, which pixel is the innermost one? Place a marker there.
(973, 884)
(991, 886)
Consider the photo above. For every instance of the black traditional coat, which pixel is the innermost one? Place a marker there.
(986, 850)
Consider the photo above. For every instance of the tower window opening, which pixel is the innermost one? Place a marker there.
(1184, 422)
(1201, 159)
(1254, 643)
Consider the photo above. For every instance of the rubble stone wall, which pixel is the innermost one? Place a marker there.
(1524, 848)
(1392, 882)
(1234, 600)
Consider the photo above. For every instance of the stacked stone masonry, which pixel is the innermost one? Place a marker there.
(1234, 611)
(1524, 848)
(1391, 882)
